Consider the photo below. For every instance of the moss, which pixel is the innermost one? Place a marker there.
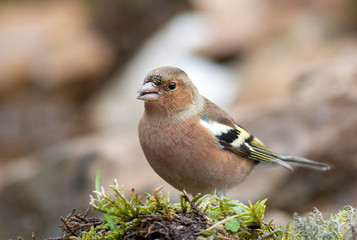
(153, 216)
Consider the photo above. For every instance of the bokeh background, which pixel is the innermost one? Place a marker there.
(69, 72)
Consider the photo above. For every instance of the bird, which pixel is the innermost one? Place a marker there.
(193, 144)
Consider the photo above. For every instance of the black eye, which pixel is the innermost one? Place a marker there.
(172, 85)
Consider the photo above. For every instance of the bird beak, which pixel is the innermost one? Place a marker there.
(148, 92)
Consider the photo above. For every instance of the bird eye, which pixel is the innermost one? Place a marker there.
(172, 85)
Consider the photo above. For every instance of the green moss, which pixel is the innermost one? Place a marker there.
(203, 217)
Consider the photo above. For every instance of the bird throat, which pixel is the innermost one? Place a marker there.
(175, 112)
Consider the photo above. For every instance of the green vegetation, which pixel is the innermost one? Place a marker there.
(203, 217)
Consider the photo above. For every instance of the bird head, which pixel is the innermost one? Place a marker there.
(167, 90)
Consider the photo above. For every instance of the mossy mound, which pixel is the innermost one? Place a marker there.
(201, 217)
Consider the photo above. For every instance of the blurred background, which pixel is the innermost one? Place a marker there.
(69, 72)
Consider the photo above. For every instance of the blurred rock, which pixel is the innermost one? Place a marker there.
(241, 26)
(325, 102)
(51, 59)
(129, 23)
(340, 15)
(270, 70)
(49, 44)
(234, 25)
(28, 123)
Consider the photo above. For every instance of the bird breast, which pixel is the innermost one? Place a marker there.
(183, 156)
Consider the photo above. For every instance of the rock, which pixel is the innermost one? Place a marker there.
(236, 26)
(51, 60)
(239, 27)
(49, 44)
(325, 101)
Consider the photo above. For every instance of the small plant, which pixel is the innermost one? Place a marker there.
(205, 217)
(202, 217)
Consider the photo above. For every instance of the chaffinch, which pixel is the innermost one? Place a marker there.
(195, 145)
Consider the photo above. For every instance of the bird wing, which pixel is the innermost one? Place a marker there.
(235, 138)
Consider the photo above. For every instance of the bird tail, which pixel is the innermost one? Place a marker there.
(304, 162)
